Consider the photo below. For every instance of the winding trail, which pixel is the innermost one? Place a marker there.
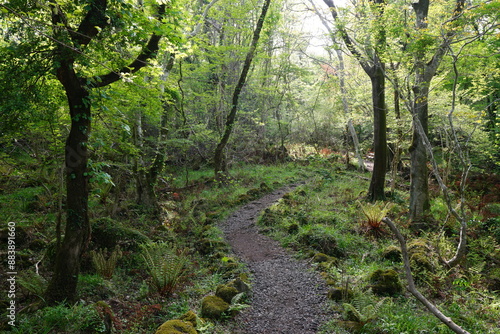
(287, 297)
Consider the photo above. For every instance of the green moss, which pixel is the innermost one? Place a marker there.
(226, 292)
(320, 239)
(340, 294)
(392, 253)
(213, 307)
(385, 282)
(176, 327)
(190, 317)
(239, 284)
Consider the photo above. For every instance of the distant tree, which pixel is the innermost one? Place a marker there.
(219, 156)
(374, 67)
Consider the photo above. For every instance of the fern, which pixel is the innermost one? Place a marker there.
(374, 214)
(166, 266)
(34, 283)
(363, 308)
(105, 267)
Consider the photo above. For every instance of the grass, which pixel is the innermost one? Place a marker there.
(321, 215)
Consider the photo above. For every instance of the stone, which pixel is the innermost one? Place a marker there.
(213, 307)
(385, 282)
(176, 326)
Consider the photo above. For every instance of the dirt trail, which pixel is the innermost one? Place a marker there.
(287, 297)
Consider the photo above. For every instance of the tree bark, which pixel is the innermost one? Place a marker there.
(220, 165)
(63, 284)
(424, 72)
(77, 232)
(375, 71)
(377, 183)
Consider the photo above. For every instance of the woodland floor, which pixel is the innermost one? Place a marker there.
(287, 296)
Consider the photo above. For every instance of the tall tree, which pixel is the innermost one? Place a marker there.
(374, 68)
(219, 156)
(79, 33)
(425, 70)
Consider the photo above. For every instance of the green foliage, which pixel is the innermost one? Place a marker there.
(79, 318)
(374, 213)
(166, 265)
(363, 308)
(105, 267)
(33, 282)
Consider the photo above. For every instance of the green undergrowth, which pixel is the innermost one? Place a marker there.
(322, 220)
(136, 292)
(329, 216)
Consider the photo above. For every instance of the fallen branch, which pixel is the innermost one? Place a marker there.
(411, 283)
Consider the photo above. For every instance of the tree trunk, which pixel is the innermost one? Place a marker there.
(377, 183)
(375, 71)
(62, 286)
(220, 166)
(77, 232)
(419, 189)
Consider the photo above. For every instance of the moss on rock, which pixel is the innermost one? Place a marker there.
(190, 317)
(176, 326)
(239, 284)
(385, 282)
(226, 292)
(392, 253)
(213, 307)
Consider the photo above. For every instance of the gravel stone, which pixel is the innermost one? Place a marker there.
(287, 296)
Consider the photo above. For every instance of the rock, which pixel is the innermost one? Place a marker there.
(176, 326)
(340, 294)
(392, 253)
(190, 317)
(385, 282)
(213, 307)
(239, 284)
(419, 251)
(226, 292)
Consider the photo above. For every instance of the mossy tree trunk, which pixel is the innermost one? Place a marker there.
(63, 284)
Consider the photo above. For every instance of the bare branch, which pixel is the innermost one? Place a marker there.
(411, 283)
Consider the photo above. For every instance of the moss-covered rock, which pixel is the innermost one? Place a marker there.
(213, 307)
(226, 292)
(190, 317)
(107, 233)
(239, 284)
(392, 253)
(320, 257)
(340, 294)
(385, 282)
(176, 327)
(208, 246)
(418, 251)
(320, 240)
(293, 228)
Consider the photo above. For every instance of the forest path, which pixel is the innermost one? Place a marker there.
(287, 297)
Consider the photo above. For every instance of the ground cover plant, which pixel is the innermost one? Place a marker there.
(328, 215)
(128, 282)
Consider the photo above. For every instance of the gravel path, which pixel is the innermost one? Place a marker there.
(287, 297)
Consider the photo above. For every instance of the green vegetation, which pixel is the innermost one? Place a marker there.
(115, 166)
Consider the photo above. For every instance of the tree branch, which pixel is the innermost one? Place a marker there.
(411, 283)
(149, 51)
